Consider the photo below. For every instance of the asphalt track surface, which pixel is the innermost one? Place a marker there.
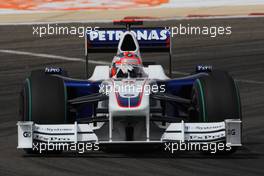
(242, 54)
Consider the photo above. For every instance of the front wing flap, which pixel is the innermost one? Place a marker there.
(228, 130)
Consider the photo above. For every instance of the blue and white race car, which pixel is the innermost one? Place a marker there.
(129, 101)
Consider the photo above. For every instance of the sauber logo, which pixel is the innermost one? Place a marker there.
(141, 34)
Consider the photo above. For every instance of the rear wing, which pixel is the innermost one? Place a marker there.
(105, 40)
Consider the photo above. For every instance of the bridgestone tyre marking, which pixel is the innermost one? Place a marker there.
(202, 99)
(29, 100)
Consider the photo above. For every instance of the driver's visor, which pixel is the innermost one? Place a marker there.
(134, 61)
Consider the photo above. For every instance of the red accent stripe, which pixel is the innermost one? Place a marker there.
(140, 98)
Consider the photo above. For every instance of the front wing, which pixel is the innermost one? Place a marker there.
(228, 131)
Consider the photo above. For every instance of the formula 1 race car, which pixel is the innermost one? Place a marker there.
(129, 101)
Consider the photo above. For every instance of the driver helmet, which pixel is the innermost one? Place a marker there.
(126, 64)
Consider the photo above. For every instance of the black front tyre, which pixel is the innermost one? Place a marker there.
(215, 98)
(43, 101)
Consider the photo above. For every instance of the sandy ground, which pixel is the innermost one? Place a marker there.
(107, 15)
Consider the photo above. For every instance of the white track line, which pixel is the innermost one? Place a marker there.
(50, 56)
